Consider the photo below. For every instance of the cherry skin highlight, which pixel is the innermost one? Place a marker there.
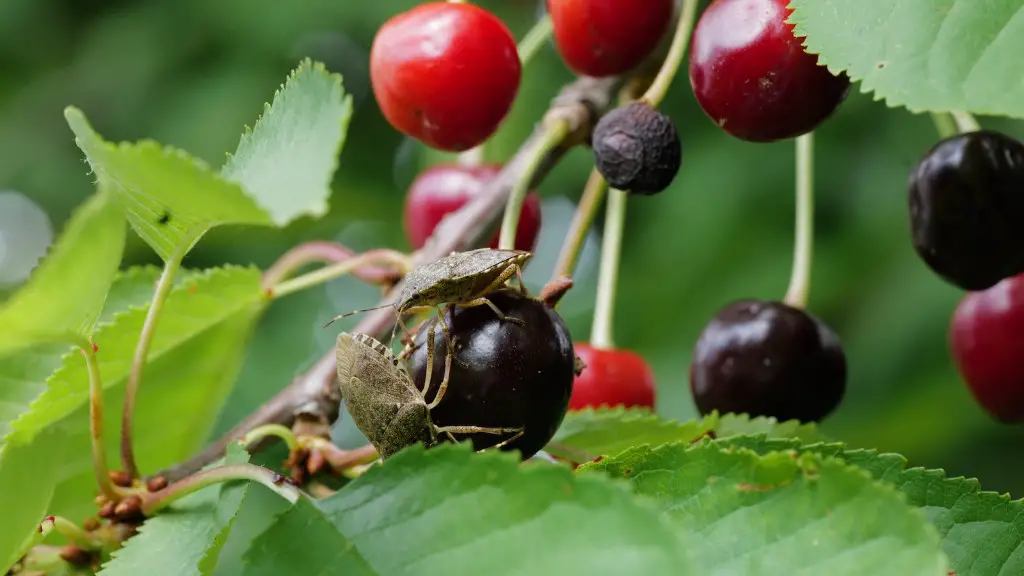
(768, 359)
(443, 189)
(753, 78)
(608, 37)
(612, 378)
(985, 337)
(445, 74)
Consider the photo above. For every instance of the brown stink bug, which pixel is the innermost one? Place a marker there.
(384, 402)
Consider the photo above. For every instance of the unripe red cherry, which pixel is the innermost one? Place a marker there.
(985, 337)
(611, 378)
(608, 37)
(443, 189)
(752, 76)
(445, 74)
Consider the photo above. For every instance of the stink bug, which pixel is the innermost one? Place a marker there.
(384, 402)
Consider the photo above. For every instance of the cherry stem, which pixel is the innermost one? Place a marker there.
(582, 220)
(553, 136)
(534, 40)
(72, 533)
(473, 157)
(153, 502)
(267, 430)
(607, 279)
(99, 447)
(659, 87)
(803, 249)
(131, 392)
(965, 122)
(378, 257)
(319, 251)
(944, 124)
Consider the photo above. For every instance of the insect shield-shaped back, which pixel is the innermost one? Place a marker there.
(380, 396)
(459, 276)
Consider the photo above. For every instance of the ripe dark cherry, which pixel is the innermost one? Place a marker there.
(445, 74)
(966, 208)
(753, 77)
(612, 378)
(985, 337)
(443, 189)
(768, 359)
(502, 374)
(608, 37)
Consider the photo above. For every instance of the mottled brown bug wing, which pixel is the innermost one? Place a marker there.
(473, 263)
(380, 395)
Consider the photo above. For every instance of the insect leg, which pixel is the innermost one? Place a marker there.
(484, 301)
(444, 380)
(449, 430)
(508, 440)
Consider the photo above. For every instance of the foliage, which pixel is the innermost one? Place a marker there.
(726, 494)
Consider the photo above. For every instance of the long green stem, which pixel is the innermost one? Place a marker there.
(131, 392)
(607, 279)
(99, 447)
(965, 122)
(944, 124)
(283, 432)
(381, 256)
(553, 135)
(156, 501)
(534, 40)
(803, 246)
(582, 220)
(677, 50)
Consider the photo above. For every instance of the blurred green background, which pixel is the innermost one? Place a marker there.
(192, 73)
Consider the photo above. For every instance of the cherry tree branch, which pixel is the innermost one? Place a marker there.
(313, 395)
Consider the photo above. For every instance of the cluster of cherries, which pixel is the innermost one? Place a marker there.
(447, 73)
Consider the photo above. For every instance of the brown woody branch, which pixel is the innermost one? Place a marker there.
(312, 398)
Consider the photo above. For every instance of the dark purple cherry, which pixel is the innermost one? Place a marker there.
(967, 208)
(768, 359)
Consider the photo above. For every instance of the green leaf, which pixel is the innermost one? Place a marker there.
(63, 299)
(177, 541)
(303, 541)
(589, 433)
(935, 55)
(737, 424)
(424, 512)
(982, 532)
(288, 160)
(740, 513)
(28, 473)
(170, 198)
(193, 307)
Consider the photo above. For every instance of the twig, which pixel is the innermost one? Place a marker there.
(314, 393)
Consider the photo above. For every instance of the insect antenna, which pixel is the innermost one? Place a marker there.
(353, 313)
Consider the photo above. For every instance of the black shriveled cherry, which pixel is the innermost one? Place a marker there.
(967, 208)
(637, 149)
(768, 359)
(752, 76)
(502, 374)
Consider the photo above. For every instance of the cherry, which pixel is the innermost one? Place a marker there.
(503, 374)
(752, 76)
(984, 336)
(637, 149)
(443, 189)
(966, 207)
(611, 378)
(768, 359)
(608, 37)
(445, 73)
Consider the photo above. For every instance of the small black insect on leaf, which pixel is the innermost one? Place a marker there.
(164, 218)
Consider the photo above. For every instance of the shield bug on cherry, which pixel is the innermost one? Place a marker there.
(384, 402)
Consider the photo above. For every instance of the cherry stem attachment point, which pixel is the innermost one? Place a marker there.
(74, 534)
(534, 39)
(944, 124)
(677, 50)
(607, 279)
(320, 251)
(553, 136)
(965, 122)
(803, 246)
(99, 447)
(582, 220)
(379, 257)
(283, 432)
(131, 392)
(153, 502)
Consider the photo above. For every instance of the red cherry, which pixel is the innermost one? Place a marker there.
(445, 74)
(986, 336)
(608, 37)
(445, 188)
(611, 378)
(753, 77)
